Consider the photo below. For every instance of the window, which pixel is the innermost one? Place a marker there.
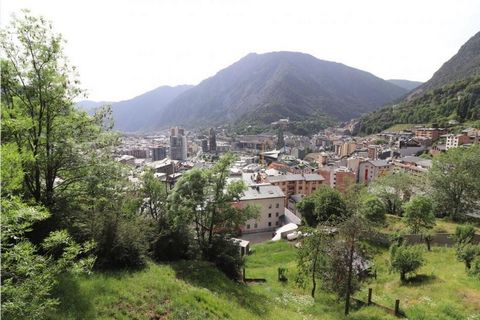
(276, 223)
(269, 215)
(255, 226)
(278, 205)
(270, 206)
(269, 224)
(248, 226)
(276, 214)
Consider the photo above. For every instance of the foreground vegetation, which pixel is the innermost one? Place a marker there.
(458, 101)
(196, 290)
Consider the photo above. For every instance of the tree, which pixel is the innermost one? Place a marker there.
(373, 209)
(405, 259)
(418, 214)
(350, 256)
(29, 277)
(428, 236)
(393, 190)
(168, 241)
(38, 115)
(311, 257)
(155, 197)
(326, 204)
(456, 181)
(204, 199)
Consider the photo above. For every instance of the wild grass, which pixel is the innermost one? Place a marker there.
(196, 290)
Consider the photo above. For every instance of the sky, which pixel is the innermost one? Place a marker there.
(125, 48)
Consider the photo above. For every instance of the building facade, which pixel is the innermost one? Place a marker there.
(178, 144)
(270, 200)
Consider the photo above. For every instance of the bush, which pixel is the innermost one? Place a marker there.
(475, 269)
(282, 274)
(467, 253)
(225, 255)
(121, 242)
(464, 234)
(170, 244)
(406, 259)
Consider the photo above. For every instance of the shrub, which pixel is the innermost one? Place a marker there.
(464, 234)
(225, 255)
(405, 259)
(121, 242)
(475, 269)
(467, 253)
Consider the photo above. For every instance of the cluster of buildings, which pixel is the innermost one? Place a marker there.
(277, 178)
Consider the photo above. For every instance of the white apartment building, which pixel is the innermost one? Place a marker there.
(271, 203)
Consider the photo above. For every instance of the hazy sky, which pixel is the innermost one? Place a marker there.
(124, 48)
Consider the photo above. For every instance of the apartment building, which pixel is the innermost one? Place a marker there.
(291, 184)
(371, 169)
(271, 202)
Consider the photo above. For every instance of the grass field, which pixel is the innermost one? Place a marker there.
(396, 224)
(400, 127)
(196, 290)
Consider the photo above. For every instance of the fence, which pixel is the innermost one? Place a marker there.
(395, 311)
(438, 239)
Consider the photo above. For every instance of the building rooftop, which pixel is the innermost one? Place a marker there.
(265, 191)
(379, 163)
(296, 177)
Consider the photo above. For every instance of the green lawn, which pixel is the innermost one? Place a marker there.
(196, 290)
(445, 292)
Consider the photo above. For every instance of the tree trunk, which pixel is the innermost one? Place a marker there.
(402, 276)
(314, 267)
(349, 279)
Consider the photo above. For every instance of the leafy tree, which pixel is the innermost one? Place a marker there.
(405, 259)
(38, 88)
(326, 204)
(29, 277)
(348, 259)
(456, 181)
(204, 199)
(168, 241)
(311, 257)
(11, 169)
(394, 190)
(418, 214)
(373, 209)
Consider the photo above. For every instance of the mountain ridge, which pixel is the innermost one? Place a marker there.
(277, 85)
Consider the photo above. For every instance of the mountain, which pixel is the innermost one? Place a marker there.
(463, 65)
(453, 93)
(138, 113)
(405, 84)
(261, 88)
(89, 105)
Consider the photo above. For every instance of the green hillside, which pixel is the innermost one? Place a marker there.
(459, 101)
(194, 290)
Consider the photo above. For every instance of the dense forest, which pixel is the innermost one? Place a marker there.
(458, 101)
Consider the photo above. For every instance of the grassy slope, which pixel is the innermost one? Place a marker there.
(396, 224)
(445, 292)
(195, 290)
